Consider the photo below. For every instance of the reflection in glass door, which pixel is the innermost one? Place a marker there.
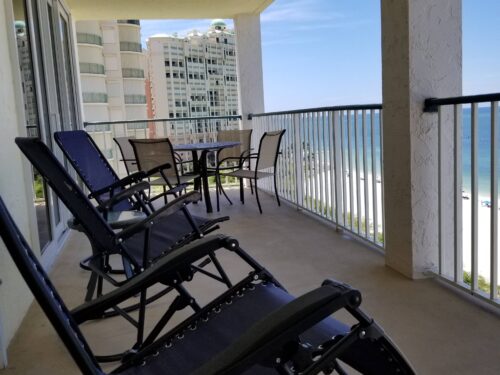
(49, 87)
(35, 113)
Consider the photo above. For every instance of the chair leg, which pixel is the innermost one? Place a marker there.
(242, 194)
(217, 191)
(276, 191)
(257, 196)
(224, 192)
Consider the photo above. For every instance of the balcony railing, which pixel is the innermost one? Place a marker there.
(91, 68)
(132, 73)
(468, 192)
(178, 130)
(94, 97)
(331, 165)
(130, 47)
(88, 39)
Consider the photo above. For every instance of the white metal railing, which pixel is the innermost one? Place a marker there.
(468, 174)
(178, 130)
(331, 165)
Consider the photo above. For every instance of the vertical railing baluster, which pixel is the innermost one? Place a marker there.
(343, 170)
(358, 177)
(337, 165)
(321, 204)
(331, 167)
(381, 145)
(457, 175)
(365, 173)
(374, 176)
(474, 176)
(494, 203)
(299, 180)
(351, 175)
(440, 191)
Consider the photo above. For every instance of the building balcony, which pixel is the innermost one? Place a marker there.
(91, 68)
(135, 99)
(130, 47)
(432, 325)
(132, 73)
(85, 38)
(94, 97)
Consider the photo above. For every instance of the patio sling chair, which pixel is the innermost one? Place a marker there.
(127, 152)
(138, 246)
(255, 327)
(151, 153)
(266, 159)
(104, 184)
(230, 158)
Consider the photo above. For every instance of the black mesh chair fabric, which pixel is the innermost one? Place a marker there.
(194, 347)
(204, 336)
(89, 162)
(166, 233)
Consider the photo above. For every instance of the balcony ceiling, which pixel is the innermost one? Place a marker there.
(163, 9)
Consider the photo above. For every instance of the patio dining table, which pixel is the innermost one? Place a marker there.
(200, 162)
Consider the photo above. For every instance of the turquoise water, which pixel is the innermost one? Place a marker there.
(483, 150)
(315, 137)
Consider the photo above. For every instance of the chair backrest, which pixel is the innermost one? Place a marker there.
(151, 153)
(45, 293)
(268, 149)
(127, 152)
(242, 136)
(56, 176)
(89, 162)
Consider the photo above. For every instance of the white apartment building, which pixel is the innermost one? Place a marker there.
(195, 75)
(112, 68)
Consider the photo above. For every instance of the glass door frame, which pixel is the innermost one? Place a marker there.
(52, 87)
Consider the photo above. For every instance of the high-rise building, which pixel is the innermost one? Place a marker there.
(112, 66)
(195, 75)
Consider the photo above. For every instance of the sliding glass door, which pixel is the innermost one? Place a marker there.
(45, 48)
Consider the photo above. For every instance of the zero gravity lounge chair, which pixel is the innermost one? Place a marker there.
(139, 245)
(255, 327)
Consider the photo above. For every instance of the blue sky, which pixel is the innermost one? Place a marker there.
(323, 53)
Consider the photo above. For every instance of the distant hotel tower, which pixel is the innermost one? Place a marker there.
(193, 76)
(112, 66)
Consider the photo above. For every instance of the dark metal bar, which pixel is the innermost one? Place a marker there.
(177, 119)
(320, 109)
(431, 104)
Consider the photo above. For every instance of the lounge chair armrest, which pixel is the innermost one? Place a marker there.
(158, 169)
(130, 179)
(163, 269)
(125, 194)
(164, 211)
(269, 335)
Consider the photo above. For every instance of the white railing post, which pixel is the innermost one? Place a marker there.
(299, 170)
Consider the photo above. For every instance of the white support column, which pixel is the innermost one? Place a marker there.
(421, 58)
(249, 61)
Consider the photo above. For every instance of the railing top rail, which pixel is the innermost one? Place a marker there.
(432, 104)
(176, 119)
(352, 107)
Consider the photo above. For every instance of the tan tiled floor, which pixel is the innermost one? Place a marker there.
(436, 328)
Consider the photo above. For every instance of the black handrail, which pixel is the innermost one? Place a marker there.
(230, 117)
(432, 104)
(320, 109)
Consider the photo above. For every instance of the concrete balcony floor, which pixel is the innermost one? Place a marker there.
(439, 331)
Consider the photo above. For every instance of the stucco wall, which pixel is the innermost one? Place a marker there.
(249, 65)
(421, 58)
(15, 186)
